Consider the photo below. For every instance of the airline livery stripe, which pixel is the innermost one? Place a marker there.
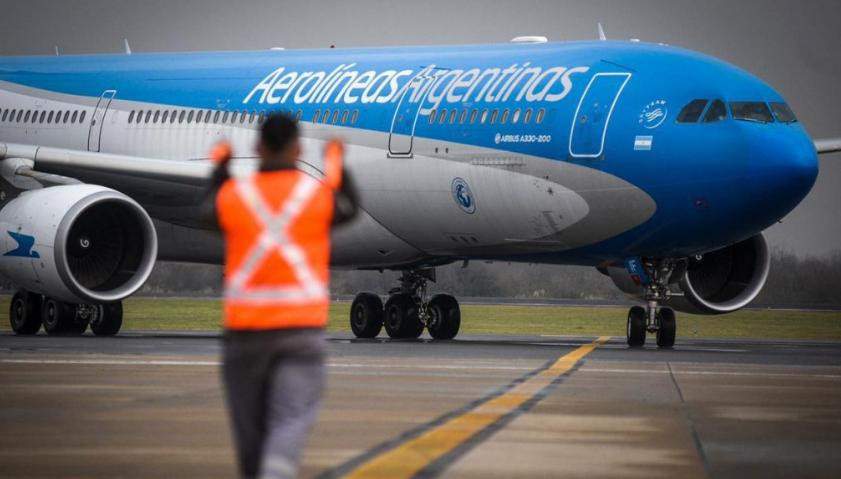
(438, 446)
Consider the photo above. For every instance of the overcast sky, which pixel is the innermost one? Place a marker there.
(794, 45)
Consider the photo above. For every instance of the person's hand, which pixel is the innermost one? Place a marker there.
(221, 153)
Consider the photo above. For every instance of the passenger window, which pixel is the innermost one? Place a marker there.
(344, 116)
(225, 116)
(199, 115)
(82, 116)
(442, 117)
(165, 116)
(57, 117)
(131, 116)
(527, 116)
(26, 118)
(353, 117)
(504, 118)
(484, 116)
(756, 111)
(207, 116)
(41, 119)
(540, 114)
(50, 117)
(190, 116)
(783, 112)
(75, 115)
(692, 111)
(139, 115)
(259, 119)
(316, 116)
(5, 114)
(20, 114)
(716, 112)
(181, 116)
(432, 117)
(148, 116)
(66, 116)
(453, 113)
(463, 117)
(473, 116)
(494, 115)
(157, 116)
(326, 117)
(335, 117)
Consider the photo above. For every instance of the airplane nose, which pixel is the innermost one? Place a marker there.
(786, 167)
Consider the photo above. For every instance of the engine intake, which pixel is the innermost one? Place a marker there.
(725, 280)
(89, 244)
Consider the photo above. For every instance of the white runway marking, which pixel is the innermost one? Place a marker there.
(167, 362)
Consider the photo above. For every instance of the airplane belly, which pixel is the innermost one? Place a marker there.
(444, 207)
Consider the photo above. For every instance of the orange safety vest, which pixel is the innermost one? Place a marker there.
(277, 246)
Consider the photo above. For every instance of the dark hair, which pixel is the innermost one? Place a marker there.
(279, 130)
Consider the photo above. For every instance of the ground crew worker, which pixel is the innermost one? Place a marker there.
(276, 225)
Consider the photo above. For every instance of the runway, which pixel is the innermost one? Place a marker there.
(150, 405)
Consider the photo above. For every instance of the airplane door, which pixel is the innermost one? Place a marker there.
(406, 114)
(98, 118)
(592, 117)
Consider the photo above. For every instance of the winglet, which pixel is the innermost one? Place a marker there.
(128, 48)
(602, 36)
(831, 145)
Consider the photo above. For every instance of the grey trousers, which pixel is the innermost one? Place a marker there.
(274, 381)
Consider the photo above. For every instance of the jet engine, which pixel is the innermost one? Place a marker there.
(81, 244)
(721, 281)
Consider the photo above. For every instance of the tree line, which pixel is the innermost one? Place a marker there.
(793, 280)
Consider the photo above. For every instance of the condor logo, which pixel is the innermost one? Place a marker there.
(24, 248)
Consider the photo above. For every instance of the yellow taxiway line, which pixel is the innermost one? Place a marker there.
(412, 456)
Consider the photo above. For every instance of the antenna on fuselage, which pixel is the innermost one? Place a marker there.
(602, 36)
(128, 48)
(56, 50)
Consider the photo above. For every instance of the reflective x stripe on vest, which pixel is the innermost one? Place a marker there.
(275, 237)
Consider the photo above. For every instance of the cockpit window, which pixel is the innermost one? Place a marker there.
(717, 112)
(783, 113)
(751, 111)
(692, 111)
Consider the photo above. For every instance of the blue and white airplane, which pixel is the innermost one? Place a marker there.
(659, 166)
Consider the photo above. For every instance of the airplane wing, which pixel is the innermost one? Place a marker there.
(170, 190)
(830, 145)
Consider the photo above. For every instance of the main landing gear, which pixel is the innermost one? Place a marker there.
(653, 318)
(407, 311)
(28, 311)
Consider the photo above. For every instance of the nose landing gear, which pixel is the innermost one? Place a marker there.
(407, 311)
(653, 318)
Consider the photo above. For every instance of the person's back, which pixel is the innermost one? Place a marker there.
(277, 224)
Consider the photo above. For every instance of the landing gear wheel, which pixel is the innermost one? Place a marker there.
(636, 327)
(59, 318)
(668, 328)
(366, 315)
(444, 317)
(401, 317)
(25, 312)
(108, 319)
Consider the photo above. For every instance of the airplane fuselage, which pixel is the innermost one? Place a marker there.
(556, 153)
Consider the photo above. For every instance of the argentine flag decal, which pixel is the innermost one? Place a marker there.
(643, 143)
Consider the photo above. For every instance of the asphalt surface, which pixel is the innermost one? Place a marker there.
(150, 405)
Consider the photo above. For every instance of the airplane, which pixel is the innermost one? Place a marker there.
(657, 165)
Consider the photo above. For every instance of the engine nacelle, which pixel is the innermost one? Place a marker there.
(722, 281)
(77, 243)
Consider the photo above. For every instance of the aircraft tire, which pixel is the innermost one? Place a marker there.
(668, 329)
(401, 317)
(59, 318)
(445, 317)
(366, 315)
(25, 312)
(109, 320)
(636, 327)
